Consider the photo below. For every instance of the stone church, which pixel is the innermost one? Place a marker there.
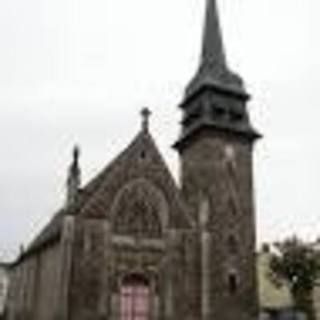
(132, 244)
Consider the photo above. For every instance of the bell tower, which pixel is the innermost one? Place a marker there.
(215, 147)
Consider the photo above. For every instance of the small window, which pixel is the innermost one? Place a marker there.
(135, 299)
(232, 283)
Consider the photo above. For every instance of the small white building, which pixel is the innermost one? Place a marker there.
(272, 298)
(316, 291)
(277, 299)
(4, 284)
(316, 299)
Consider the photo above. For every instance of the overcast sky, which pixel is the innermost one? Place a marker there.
(79, 71)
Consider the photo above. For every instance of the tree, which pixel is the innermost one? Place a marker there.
(297, 264)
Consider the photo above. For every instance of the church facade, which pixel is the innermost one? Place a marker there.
(132, 245)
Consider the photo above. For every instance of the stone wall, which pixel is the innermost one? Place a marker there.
(198, 260)
(103, 256)
(88, 270)
(47, 283)
(4, 284)
(34, 285)
(217, 176)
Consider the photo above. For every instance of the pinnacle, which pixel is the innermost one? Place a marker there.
(145, 113)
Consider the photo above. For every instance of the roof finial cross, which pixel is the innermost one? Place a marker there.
(74, 169)
(145, 113)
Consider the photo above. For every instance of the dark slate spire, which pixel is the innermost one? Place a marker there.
(216, 98)
(213, 49)
(213, 70)
(74, 177)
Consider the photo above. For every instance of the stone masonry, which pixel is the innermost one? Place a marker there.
(189, 249)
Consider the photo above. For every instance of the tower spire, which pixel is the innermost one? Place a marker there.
(213, 70)
(213, 54)
(215, 99)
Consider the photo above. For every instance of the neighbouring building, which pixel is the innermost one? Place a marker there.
(4, 285)
(316, 299)
(275, 300)
(132, 244)
(316, 291)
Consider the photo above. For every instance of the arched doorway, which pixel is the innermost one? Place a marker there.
(135, 298)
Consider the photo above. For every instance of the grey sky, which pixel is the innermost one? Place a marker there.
(79, 71)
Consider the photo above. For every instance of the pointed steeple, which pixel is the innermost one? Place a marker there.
(213, 70)
(216, 98)
(74, 178)
(213, 49)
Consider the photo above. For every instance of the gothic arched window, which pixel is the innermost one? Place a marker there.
(139, 211)
(138, 217)
(135, 298)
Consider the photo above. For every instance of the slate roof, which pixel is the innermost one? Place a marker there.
(52, 230)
